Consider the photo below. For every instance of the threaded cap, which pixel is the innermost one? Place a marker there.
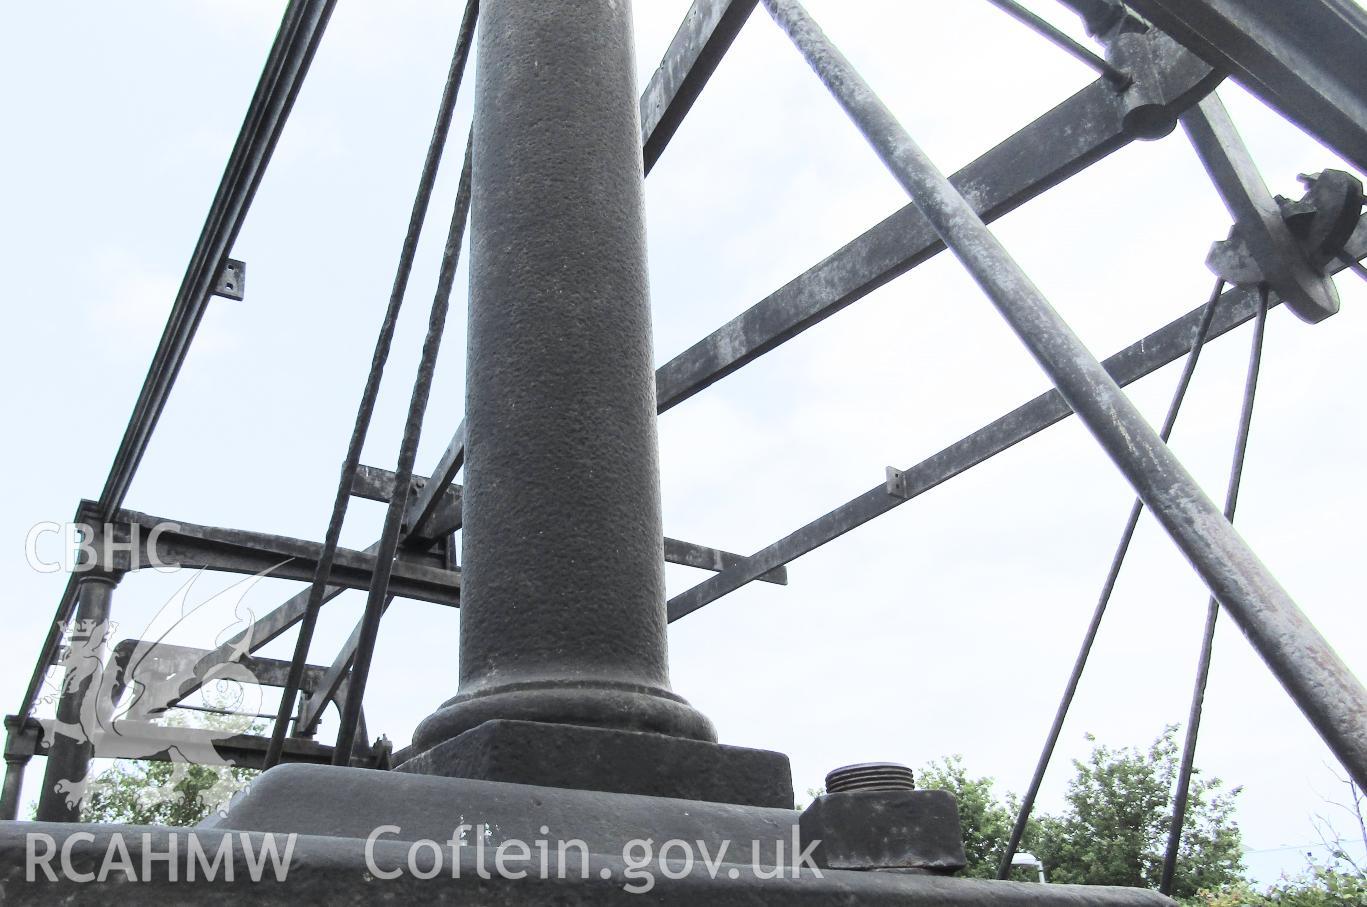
(870, 776)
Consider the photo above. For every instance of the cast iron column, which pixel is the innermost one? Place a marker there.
(562, 597)
(14, 783)
(68, 758)
(21, 742)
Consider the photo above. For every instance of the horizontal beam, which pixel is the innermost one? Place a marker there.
(1296, 55)
(676, 552)
(442, 518)
(1134, 362)
(149, 742)
(1069, 138)
(134, 541)
(691, 555)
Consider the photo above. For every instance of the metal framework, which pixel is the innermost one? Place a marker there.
(1157, 71)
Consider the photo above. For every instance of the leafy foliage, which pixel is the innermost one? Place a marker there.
(168, 793)
(162, 793)
(1115, 828)
(1318, 886)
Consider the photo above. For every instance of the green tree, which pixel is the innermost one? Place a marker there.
(1317, 886)
(1341, 881)
(135, 792)
(1115, 827)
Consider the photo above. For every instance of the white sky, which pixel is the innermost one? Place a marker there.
(947, 626)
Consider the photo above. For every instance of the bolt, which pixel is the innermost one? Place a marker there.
(870, 776)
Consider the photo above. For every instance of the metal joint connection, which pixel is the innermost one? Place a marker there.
(232, 280)
(872, 818)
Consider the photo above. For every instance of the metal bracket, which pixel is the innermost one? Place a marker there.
(1146, 56)
(1321, 223)
(897, 483)
(1259, 223)
(232, 280)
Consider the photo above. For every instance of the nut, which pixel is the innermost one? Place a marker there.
(885, 829)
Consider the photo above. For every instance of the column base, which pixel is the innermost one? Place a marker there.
(602, 759)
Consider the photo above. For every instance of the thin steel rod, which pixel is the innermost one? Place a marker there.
(377, 598)
(1313, 674)
(1099, 16)
(445, 110)
(301, 28)
(212, 711)
(291, 54)
(1107, 587)
(1236, 472)
(1080, 52)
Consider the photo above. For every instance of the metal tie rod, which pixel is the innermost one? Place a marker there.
(377, 599)
(1179, 394)
(370, 393)
(1316, 678)
(1198, 696)
(1078, 51)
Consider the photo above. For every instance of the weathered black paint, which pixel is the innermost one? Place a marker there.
(563, 584)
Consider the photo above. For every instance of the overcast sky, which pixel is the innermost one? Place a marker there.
(947, 626)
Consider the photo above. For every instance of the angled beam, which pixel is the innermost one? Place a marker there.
(154, 664)
(162, 695)
(1296, 56)
(1130, 364)
(1257, 216)
(288, 62)
(1331, 698)
(1074, 135)
(705, 36)
(424, 508)
(331, 681)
